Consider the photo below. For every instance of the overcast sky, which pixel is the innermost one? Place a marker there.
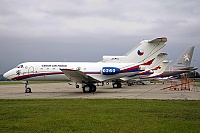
(85, 30)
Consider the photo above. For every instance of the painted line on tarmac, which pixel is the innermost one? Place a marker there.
(145, 92)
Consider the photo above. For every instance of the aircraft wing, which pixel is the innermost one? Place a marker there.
(77, 76)
(158, 40)
(81, 77)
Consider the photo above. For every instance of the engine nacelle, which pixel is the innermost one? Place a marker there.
(110, 70)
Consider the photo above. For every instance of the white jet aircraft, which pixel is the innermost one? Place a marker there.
(89, 73)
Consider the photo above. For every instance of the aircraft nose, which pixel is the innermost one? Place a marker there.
(5, 75)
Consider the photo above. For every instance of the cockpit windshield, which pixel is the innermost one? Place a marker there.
(20, 66)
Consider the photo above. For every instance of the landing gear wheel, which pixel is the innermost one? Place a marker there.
(86, 89)
(129, 84)
(77, 86)
(93, 88)
(28, 90)
(117, 85)
(89, 88)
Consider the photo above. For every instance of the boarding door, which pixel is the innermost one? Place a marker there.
(31, 70)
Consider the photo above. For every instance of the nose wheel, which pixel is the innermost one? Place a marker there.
(27, 89)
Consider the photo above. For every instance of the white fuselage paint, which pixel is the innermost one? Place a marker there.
(50, 71)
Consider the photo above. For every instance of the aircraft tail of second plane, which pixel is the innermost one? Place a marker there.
(185, 59)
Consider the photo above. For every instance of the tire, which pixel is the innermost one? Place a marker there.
(77, 86)
(115, 85)
(86, 89)
(93, 88)
(89, 88)
(28, 90)
(129, 84)
(119, 85)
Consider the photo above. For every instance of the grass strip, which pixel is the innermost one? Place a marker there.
(99, 115)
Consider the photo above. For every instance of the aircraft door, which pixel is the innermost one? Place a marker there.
(31, 70)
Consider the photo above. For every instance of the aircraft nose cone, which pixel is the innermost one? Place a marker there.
(6, 75)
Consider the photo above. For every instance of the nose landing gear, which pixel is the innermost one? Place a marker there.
(27, 89)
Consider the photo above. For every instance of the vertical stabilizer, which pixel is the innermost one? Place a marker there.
(147, 50)
(185, 59)
(158, 72)
(163, 67)
(158, 60)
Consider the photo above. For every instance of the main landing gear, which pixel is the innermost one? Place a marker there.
(92, 88)
(89, 88)
(117, 85)
(27, 89)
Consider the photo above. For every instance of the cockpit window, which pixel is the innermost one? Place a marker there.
(20, 66)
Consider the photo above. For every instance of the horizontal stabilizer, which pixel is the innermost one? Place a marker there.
(162, 54)
(158, 40)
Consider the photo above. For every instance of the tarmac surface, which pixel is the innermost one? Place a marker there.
(64, 90)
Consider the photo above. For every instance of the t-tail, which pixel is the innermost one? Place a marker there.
(159, 72)
(158, 60)
(185, 59)
(147, 50)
